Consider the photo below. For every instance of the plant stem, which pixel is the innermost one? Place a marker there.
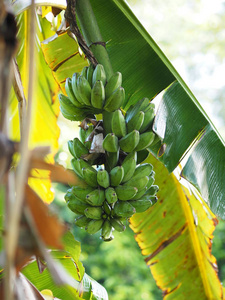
(92, 34)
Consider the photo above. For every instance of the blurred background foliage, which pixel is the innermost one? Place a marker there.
(191, 34)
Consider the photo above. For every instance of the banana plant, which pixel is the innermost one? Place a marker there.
(175, 234)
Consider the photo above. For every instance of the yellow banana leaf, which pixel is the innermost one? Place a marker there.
(175, 238)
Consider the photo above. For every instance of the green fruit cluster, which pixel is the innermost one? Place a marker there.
(89, 93)
(108, 157)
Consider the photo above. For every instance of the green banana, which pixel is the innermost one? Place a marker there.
(90, 176)
(149, 115)
(129, 166)
(118, 124)
(71, 148)
(93, 212)
(84, 72)
(129, 141)
(107, 121)
(110, 143)
(84, 90)
(110, 195)
(141, 205)
(70, 93)
(96, 197)
(115, 100)
(78, 148)
(107, 208)
(140, 194)
(124, 209)
(114, 82)
(143, 170)
(135, 122)
(141, 105)
(117, 224)
(75, 88)
(150, 182)
(94, 226)
(116, 175)
(76, 165)
(82, 135)
(89, 75)
(99, 74)
(145, 140)
(81, 192)
(103, 178)
(125, 192)
(152, 190)
(111, 160)
(98, 95)
(140, 183)
(107, 230)
(82, 221)
(75, 204)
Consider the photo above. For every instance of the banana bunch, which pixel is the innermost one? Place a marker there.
(108, 155)
(89, 93)
(107, 199)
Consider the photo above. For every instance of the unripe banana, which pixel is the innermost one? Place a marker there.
(103, 178)
(143, 170)
(84, 72)
(84, 90)
(99, 74)
(94, 226)
(82, 135)
(107, 230)
(149, 115)
(145, 140)
(81, 192)
(118, 124)
(152, 190)
(124, 209)
(117, 224)
(74, 204)
(79, 148)
(93, 212)
(107, 208)
(90, 176)
(75, 88)
(116, 175)
(141, 205)
(141, 105)
(111, 160)
(150, 182)
(82, 221)
(89, 76)
(115, 100)
(110, 195)
(129, 166)
(98, 95)
(129, 141)
(125, 192)
(110, 143)
(140, 183)
(107, 121)
(140, 194)
(96, 197)
(135, 122)
(70, 93)
(76, 165)
(71, 148)
(114, 82)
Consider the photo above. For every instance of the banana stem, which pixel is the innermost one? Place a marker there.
(92, 34)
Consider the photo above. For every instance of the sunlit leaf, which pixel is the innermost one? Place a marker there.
(175, 238)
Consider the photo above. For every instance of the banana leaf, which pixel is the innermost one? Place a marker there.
(175, 236)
